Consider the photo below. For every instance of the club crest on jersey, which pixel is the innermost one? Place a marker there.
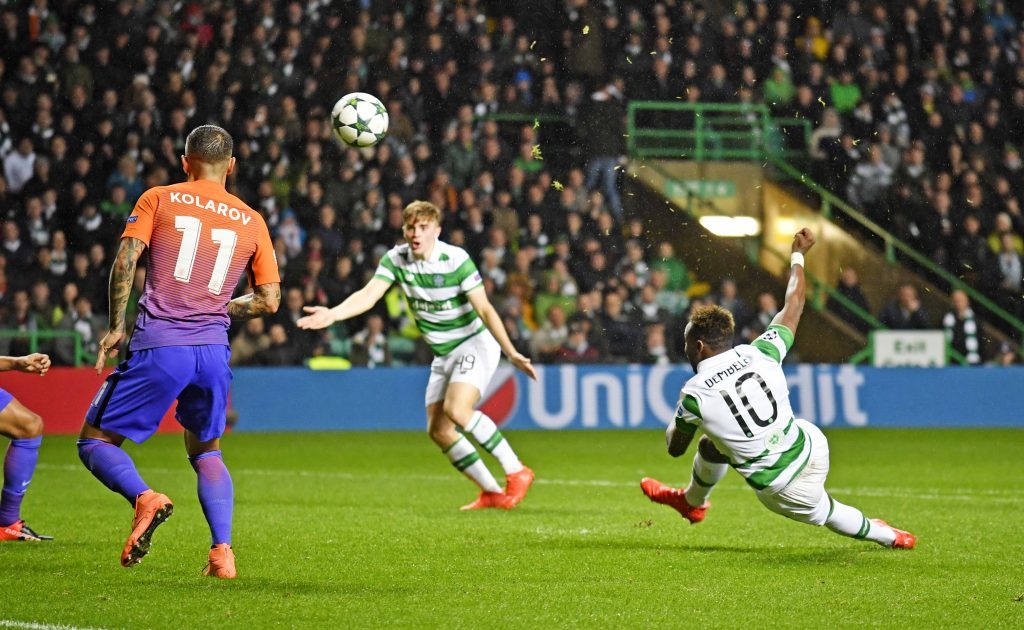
(438, 280)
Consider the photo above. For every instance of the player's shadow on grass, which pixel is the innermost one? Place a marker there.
(300, 588)
(774, 555)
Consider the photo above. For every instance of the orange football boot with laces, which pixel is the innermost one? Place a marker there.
(151, 510)
(20, 531)
(904, 539)
(516, 485)
(498, 500)
(222, 563)
(674, 498)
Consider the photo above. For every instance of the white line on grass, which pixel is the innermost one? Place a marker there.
(30, 625)
(990, 495)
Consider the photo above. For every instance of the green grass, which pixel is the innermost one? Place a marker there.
(357, 530)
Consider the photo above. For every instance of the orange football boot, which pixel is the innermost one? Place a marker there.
(904, 540)
(151, 510)
(498, 500)
(517, 484)
(222, 563)
(674, 498)
(20, 531)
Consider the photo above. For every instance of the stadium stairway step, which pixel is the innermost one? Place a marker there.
(671, 196)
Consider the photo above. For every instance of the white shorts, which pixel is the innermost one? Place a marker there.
(474, 362)
(804, 498)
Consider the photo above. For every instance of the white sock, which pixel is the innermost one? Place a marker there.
(484, 431)
(465, 458)
(849, 521)
(703, 479)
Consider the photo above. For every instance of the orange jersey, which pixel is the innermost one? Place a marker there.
(201, 239)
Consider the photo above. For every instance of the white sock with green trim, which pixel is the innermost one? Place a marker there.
(849, 521)
(484, 431)
(703, 479)
(464, 457)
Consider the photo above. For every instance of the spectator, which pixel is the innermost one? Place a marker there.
(550, 336)
(905, 312)
(461, 158)
(869, 182)
(370, 345)
(248, 344)
(767, 309)
(22, 319)
(1011, 276)
(648, 310)
(728, 298)
(849, 287)
(576, 348)
(17, 251)
(972, 252)
(655, 348)
(622, 336)
(962, 328)
(19, 166)
(82, 320)
(602, 129)
(1007, 355)
(677, 276)
(280, 353)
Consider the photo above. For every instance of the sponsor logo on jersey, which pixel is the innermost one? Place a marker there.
(428, 306)
(727, 372)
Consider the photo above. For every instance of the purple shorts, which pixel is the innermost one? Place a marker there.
(5, 398)
(135, 397)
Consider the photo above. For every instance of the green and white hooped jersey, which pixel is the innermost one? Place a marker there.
(740, 400)
(436, 290)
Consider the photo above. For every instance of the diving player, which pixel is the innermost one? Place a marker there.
(739, 399)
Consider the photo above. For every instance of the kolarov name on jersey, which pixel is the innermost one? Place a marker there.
(219, 207)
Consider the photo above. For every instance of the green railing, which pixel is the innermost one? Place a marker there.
(33, 337)
(820, 292)
(892, 245)
(711, 131)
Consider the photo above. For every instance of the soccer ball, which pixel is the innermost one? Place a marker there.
(359, 120)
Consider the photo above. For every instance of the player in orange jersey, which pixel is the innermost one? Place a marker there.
(200, 240)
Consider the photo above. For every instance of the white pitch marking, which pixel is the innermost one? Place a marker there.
(31, 625)
(989, 495)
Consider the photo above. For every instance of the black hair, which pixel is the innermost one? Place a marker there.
(209, 143)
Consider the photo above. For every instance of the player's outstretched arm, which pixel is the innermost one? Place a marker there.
(264, 300)
(484, 308)
(122, 276)
(355, 304)
(33, 363)
(796, 291)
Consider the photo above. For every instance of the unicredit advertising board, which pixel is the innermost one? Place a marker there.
(625, 397)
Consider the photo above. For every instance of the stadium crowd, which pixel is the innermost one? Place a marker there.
(918, 109)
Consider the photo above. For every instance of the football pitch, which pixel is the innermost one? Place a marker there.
(350, 530)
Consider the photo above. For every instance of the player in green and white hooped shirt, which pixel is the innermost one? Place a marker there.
(445, 293)
(740, 400)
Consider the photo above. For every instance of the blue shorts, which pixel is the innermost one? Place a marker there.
(135, 397)
(5, 398)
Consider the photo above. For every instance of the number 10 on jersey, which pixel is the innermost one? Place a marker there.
(191, 229)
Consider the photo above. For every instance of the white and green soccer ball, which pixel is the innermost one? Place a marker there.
(359, 120)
